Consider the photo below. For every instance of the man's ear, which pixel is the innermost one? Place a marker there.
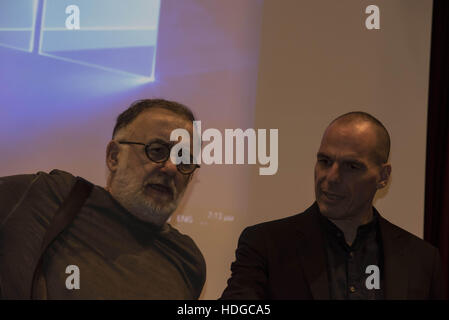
(112, 155)
(385, 173)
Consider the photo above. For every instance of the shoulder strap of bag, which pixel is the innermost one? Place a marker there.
(63, 217)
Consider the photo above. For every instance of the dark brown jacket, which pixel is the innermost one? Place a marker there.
(286, 259)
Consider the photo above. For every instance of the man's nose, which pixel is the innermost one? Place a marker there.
(333, 174)
(169, 167)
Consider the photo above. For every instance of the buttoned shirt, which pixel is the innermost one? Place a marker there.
(354, 271)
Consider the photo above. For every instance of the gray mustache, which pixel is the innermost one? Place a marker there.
(169, 183)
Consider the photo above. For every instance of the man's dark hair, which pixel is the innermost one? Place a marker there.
(383, 137)
(137, 107)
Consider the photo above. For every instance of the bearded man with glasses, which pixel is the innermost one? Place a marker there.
(119, 239)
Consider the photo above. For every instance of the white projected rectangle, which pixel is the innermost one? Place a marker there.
(113, 35)
(17, 19)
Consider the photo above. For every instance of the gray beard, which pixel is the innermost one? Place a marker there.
(129, 193)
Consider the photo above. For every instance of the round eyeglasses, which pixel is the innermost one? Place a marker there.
(159, 151)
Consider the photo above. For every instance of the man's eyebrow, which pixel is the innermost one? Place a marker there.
(344, 159)
(162, 141)
(355, 161)
(322, 155)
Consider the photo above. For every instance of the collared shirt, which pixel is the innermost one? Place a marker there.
(354, 272)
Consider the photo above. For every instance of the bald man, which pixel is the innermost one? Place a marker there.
(341, 247)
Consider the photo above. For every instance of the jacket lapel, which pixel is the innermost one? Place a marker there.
(395, 263)
(312, 253)
(311, 250)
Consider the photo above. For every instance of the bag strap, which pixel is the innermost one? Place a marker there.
(62, 218)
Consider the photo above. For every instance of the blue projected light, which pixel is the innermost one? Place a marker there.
(114, 35)
(17, 21)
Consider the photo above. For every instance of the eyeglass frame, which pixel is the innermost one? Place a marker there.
(162, 142)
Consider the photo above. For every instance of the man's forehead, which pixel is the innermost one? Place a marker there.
(157, 123)
(349, 140)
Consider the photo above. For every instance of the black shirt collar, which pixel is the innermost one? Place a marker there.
(330, 229)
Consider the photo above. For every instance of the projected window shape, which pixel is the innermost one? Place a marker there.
(17, 20)
(114, 35)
